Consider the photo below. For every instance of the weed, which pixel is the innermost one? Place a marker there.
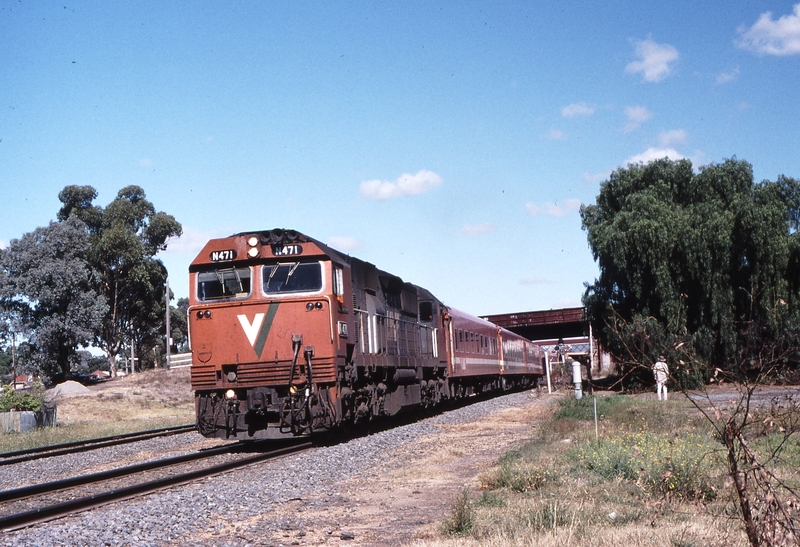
(520, 476)
(549, 515)
(488, 499)
(674, 467)
(462, 516)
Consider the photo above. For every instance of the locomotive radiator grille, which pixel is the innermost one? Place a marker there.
(258, 374)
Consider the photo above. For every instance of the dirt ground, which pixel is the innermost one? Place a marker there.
(144, 396)
(412, 494)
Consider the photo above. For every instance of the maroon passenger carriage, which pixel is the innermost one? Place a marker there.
(290, 337)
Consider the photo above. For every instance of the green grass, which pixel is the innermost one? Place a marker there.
(45, 436)
(687, 466)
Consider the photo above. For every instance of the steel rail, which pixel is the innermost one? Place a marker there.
(82, 480)
(8, 458)
(42, 514)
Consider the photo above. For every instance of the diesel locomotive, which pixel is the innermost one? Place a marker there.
(291, 337)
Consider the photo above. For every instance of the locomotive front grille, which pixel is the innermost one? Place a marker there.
(258, 374)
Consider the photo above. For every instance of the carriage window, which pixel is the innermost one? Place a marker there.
(292, 277)
(223, 283)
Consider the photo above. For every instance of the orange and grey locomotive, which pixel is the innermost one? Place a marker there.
(291, 337)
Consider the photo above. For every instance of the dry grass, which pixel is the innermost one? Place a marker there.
(545, 494)
(146, 400)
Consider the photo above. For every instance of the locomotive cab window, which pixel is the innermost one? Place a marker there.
(426, 312)
(289, 277)
(221, 283)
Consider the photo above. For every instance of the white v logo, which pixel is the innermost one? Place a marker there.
(251, 330)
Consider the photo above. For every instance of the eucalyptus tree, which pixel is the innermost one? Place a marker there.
(125, 237)
(179, 325)
(710, 256)
(48, 287)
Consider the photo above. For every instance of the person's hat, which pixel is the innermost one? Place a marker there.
(661, 358)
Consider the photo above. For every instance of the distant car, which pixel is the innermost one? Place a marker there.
(85, 379)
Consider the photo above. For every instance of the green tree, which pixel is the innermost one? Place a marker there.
(125, 237)
(47, 285)
(179, 325)
(711, 256)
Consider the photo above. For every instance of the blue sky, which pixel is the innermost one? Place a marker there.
(450, 143)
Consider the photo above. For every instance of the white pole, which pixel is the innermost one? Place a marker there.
(547, 370)
(169, 332)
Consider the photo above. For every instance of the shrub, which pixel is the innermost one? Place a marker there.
(678, 467)
(21, 400)
(519, 475)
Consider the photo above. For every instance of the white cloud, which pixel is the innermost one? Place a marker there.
(671, 138)
(597, 177)
(344, 243)
(555, 135)
(577, 109)
(570, 206)
(636, 115)
(405, 185)
(773, 37)
(3, 243)
(191, 241)
(485, 228)
(727, 77)
(654, 60)
(654, 154)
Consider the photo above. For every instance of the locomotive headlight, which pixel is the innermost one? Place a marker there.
(230, 394)
(253, 241)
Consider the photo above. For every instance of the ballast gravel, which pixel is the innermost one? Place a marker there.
(197, 514)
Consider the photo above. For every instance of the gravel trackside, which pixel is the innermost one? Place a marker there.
(388, 488)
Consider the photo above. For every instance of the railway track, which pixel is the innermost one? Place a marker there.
(8, 458)
(47, 501)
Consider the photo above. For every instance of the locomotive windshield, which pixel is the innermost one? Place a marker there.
(287, 277)
(222, 283)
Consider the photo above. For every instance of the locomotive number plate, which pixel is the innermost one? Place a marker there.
(286, 250)
(223, 256)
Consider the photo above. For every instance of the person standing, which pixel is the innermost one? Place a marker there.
(661, 373)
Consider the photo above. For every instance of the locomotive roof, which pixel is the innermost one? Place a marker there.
(281, 236)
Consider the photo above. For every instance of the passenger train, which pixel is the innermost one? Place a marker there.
(291, 337)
